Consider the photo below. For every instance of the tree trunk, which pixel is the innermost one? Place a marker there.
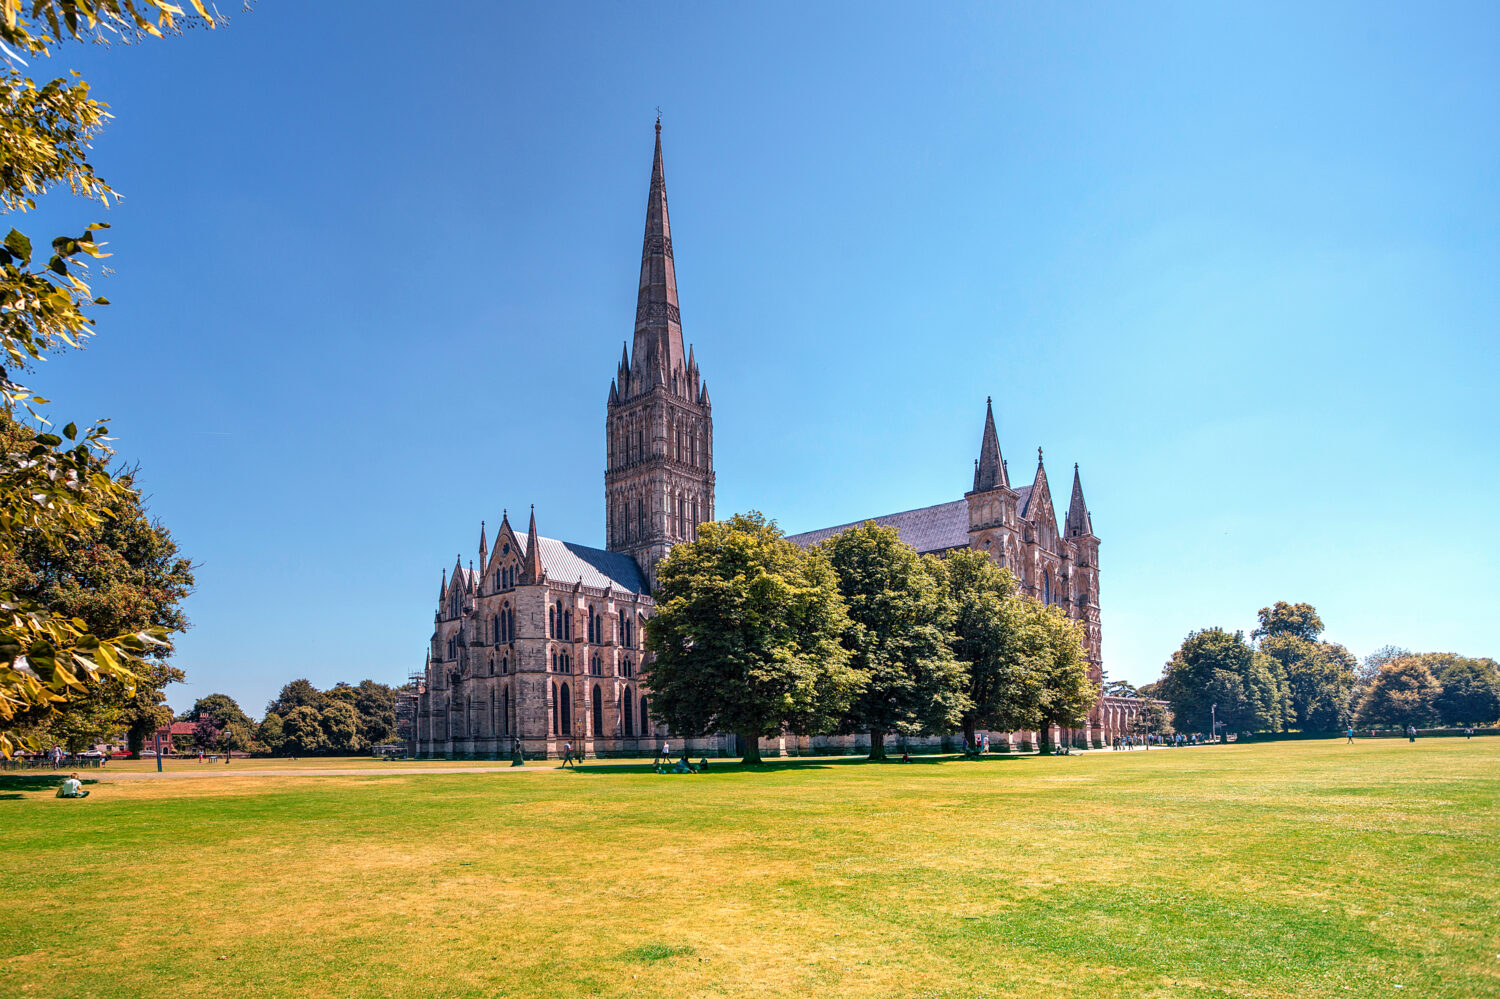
(877, 745)
(749, 747)
(1044, 738)
(971, 735)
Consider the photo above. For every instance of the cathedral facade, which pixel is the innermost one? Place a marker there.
(539, 647)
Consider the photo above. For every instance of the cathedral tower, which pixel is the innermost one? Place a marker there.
(659, 476)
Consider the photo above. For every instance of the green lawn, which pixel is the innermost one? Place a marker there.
(1290, 869)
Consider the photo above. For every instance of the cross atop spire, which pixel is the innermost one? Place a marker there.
(658, 323)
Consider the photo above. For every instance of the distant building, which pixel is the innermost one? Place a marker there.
(181, 731)
(540, 645)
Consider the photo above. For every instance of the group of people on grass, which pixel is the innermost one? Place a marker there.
(662, 763)
(1150, 739)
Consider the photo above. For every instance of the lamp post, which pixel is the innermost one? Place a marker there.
(158, 749)
(1213, 731)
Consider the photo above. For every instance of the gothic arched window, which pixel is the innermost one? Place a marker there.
(598, 712)
(551, 622)
(566, 710)
(568, 625)
(625, 706)
(645, 717)
(555, 708)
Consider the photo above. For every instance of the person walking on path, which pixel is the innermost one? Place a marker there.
(664, 755)
(567, 755)
(1351, 734)
(1411, 733)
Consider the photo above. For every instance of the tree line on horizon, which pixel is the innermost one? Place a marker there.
(301, 720)
(1286, 678)
(756, 636)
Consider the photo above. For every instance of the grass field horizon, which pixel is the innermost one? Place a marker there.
(1277, 869)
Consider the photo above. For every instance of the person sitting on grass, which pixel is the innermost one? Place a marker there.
(72, 788)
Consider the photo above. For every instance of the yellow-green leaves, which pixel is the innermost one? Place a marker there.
(54, 21)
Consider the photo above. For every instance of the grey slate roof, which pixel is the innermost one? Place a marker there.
(566, 562)
(930, 529)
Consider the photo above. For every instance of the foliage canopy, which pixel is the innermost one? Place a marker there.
(746, 636)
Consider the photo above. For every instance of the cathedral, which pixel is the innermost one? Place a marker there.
(538, 646)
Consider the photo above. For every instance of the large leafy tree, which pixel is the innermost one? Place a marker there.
(374, 704)
(899, 626)
(1403, 693)
(296, 694)
(341, 727)
(271, 733)
(1471, 688)
(302, 731)
(745, 637)
(120, 575)
(1064, 692)
(988, 619)
(1217, 667)
(56, 487)
(207, 731)
(1295, 620)
(1319, 677)
(1368, 669)
(223, 708)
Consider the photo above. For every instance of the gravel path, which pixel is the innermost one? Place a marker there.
(229, 771)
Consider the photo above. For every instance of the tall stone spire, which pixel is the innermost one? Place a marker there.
(659, 434)
(1078, 524)
(484, 549)
(991, 473)
(658, 324)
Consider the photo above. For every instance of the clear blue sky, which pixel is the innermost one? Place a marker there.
(373, 274)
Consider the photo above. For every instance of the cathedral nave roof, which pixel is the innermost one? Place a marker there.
(566, 562)
(928, 529)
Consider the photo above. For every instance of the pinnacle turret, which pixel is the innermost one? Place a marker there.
(1078, 524)
(531, 568)
(990, 472)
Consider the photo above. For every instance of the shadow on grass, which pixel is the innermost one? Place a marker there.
(35, 782)
(779, 764)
